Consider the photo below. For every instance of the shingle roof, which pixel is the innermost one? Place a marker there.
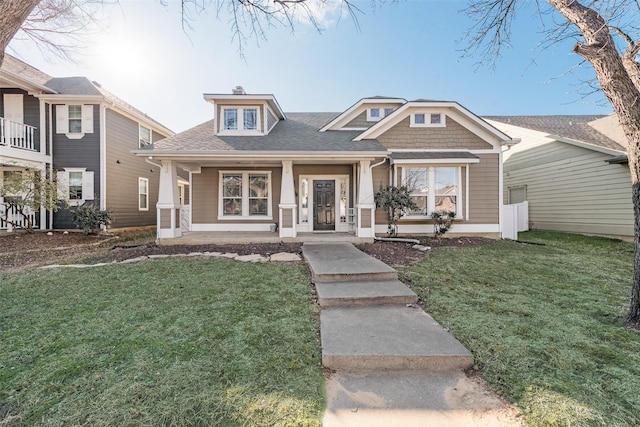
(298, 133)
(73, 86)
(572, 127)
(24, 70)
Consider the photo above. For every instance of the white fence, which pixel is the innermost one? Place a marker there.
(515, 218)
(17, 220)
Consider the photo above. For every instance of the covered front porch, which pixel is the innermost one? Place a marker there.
(267, 200)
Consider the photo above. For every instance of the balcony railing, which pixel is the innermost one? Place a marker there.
(17, 135)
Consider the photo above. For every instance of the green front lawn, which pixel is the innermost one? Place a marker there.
(545, 323)
(193, 342)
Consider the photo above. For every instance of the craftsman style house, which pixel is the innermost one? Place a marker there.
(255, 168)
(84, 135)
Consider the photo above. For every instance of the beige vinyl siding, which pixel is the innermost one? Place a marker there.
(484, 190)
(122, 178)
(381, 180)
(572, 189)
(453, 136)
(205, 185)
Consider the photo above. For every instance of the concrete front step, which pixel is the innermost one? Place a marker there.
(342, 262)
(388, 337)
(368, 292)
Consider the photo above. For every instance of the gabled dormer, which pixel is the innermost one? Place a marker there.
(242, 114)
(364, 113)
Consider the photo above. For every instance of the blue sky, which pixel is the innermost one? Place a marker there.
(409, 49)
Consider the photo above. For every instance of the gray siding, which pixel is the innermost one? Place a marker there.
(572, 189)
(31, 106)
(77, 153)
(123, 171)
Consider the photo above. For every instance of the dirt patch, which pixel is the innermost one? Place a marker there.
(21, 250)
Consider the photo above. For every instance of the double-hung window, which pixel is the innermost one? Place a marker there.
(245, 195)
(74, 120)
(240, 120)
(75, 185)
(143, 194)
(433, 189)
(144, 136)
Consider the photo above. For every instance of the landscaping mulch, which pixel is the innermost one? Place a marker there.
(22, 250)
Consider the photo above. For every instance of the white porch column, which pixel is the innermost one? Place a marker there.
(168, 205)
(365, 205)
(287, 215)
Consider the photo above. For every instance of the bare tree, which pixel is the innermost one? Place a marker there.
(596, 28)
(57, 26)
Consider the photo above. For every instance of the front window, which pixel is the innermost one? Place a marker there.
(245, 194)
(143, 194)
(75, 118)
(258, 194)
(144, 135)
(433, 189)
(232, 194)
(75, 185)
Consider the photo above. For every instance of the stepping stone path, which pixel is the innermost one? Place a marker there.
(278, 257)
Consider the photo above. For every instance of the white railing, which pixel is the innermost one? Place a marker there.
(17, 135)
(185, 214)
(17, 220)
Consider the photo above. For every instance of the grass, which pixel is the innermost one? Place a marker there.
(165, 342)
(544, 323)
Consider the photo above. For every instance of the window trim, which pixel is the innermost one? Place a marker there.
(245, 196)
(240, 130)
(382, 113)
(428, 115)
(431, 196)
(140, 127)
(86, 120)
(146, 181)
(87, 185)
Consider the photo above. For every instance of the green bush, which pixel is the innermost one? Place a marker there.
(90, 219)
(442, 222)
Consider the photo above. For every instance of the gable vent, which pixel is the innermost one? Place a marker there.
(238, 90)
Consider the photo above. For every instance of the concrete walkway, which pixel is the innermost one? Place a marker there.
(392, 364)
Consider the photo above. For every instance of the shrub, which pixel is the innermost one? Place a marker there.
(397, 201)
(442, 222)
(90, 219)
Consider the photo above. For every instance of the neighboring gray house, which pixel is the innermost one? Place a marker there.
(573, 172)
(85, 135)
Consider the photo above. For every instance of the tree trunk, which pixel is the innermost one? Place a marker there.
(12, 15)
(619, 87)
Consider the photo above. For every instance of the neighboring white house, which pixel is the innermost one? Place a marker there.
(572, 170)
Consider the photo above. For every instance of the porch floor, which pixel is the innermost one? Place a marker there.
(231, 237)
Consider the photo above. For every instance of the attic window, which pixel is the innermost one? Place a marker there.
(376, 114)
(427, 120)
(241, 120)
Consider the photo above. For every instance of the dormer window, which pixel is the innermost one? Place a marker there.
(427, 120)
(240, 120)
(376, 114)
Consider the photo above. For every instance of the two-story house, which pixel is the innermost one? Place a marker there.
(253, 167)
(84, 134)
